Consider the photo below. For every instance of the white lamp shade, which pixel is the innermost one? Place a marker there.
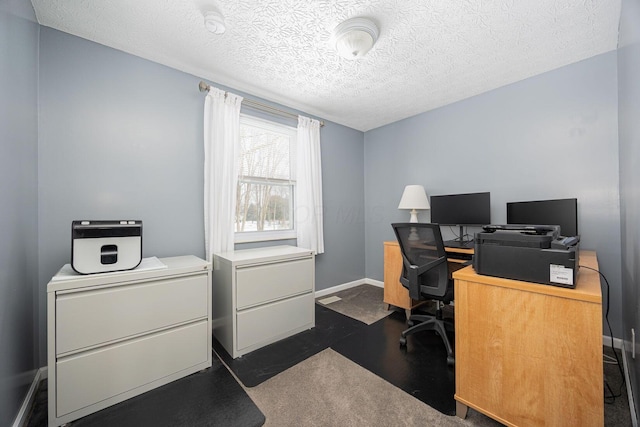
(414, 197)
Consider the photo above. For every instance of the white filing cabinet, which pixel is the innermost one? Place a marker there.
(113, 336)
(261, 296)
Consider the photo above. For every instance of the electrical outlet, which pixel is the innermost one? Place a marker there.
(633, 343)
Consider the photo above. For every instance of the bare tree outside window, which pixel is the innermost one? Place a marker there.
(265, 181)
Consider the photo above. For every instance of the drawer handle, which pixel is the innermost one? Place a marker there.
(281, 262)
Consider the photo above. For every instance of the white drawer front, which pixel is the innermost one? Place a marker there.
(263, 283)
(265, 324)
(97, 375)
(89, 318)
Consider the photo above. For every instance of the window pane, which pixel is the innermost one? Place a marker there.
(266, 179)
(264, 153)
(263, 206)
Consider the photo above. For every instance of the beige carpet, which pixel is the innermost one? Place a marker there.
(363, 303)
(328, 389)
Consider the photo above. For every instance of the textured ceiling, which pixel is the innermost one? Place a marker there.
(429, 53)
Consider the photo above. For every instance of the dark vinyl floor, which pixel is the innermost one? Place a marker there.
(420, 369)
(211, 397)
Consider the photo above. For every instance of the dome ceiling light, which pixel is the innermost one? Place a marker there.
(355, 37)
(214, 22)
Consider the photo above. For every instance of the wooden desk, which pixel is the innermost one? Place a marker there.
(394, 293)
(530, 354)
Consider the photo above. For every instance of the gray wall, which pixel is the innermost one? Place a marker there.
(18, 205)
(342, 152)
(122, 137)
(550, 136)
(343, 199)
(629, 112)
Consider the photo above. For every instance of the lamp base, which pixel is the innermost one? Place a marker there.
(413, 235)
(414, 216)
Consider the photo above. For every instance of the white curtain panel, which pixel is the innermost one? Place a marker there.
(308, 212)
(221, 135)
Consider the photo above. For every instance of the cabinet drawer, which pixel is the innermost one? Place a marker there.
(265, 324)
(94, 376)
(263, 283)
(88, 318)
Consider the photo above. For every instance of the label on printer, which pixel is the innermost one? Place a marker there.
(560, 274)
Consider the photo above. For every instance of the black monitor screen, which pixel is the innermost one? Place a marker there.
(562, 212)
(461, 209)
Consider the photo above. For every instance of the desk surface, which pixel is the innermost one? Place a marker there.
(587, 286)
(449, 250)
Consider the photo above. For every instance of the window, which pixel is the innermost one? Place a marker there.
(266, 181)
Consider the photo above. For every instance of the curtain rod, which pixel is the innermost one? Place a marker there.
(258, 105)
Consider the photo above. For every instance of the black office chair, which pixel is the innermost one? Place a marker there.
(425, 273)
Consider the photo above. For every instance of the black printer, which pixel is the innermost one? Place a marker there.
(532, 253)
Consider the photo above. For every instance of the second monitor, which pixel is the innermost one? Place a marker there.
(471, 209)
(562, 212)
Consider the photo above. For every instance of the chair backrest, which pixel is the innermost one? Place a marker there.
(425, 272)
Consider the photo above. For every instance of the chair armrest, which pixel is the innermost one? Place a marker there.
(413, 271)
(428, 266)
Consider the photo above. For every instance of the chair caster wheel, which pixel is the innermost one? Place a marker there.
(403, 342)
(451, 361)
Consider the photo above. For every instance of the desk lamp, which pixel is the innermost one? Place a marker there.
(414, 197)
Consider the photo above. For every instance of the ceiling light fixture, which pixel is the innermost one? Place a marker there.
(355, 37)
(214, 22)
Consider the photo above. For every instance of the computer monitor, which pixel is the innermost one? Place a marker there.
(562, 212)
(471, 209)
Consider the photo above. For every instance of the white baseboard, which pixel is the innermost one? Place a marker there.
(374, 282)
(348, 285)
(23, 414)
(617, 342)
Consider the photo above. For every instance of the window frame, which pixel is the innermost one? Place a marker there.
(269, 235)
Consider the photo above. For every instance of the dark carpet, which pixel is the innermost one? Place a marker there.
(208, 398)
(616, 399)
(260, 365)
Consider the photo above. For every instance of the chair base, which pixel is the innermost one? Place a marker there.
(430, 323)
